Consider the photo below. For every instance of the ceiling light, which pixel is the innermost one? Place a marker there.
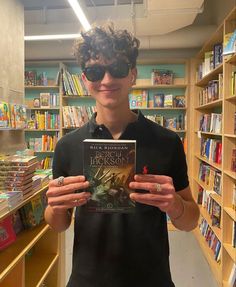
(80, 14)
(52, 37)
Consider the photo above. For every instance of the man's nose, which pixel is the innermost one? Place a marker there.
(107, 77)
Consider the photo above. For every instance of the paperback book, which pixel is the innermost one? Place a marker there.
(109, 166)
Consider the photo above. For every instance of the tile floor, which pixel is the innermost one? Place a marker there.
(188, 264)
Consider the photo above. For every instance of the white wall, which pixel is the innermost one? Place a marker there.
(12, 65)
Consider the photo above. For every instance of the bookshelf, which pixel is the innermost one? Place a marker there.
(170, 116)
(207, 101)
(34, 257)
(42, 98)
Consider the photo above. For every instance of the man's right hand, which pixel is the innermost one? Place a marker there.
(62, 193)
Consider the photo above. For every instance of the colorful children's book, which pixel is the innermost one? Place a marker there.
(7, 233)
(109, 166)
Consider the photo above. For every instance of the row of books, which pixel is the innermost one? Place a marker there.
(29, 216)
(175, 123)
(45, 143)
(76, 116)
(211, 149)
(142, 99)
(45, 100)
(211, 239)
(46, 163)
(211, 123)
(211, 60)
(12, 115)
(33, 78)
(43, 120)
(72, 84)
(212, 207)
(212, 92)
(211, 177)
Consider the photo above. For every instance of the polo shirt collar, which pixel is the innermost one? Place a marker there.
(93, 126)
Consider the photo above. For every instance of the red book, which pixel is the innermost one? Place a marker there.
(7, 233)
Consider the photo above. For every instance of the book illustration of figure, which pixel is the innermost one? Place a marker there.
(109, 167)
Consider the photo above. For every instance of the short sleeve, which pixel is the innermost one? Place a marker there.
(179, 170)
(59, 161)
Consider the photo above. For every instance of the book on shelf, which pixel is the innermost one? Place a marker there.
(233, 84)
(138, 99)
(168, 101)
(208, 62)
(233, 160)
(216, 214)
(5, 120)
(234, 196)
(179, 101)
(229, 46)
(158, 100)
(217, 182)
(233, 242)
(232, 276)
(36, 102)
(44, 100)
(217, 54)
(17, 222)
(30, 78)
(7, 233)
(109, 166)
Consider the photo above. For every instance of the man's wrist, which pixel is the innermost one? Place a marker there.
(179, 211)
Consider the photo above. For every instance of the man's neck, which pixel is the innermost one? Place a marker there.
(115, 120)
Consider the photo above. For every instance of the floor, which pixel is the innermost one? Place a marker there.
(188, 265)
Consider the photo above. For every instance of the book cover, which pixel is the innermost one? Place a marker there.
(7, 233)
(109, 166)
(45, 100)
(158, 100)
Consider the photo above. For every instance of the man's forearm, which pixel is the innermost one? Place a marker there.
(58, 221)
(188, 215)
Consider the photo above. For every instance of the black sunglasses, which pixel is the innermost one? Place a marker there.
(116, 70)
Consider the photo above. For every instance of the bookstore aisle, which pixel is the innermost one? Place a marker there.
(188, 264)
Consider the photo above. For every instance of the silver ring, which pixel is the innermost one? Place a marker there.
(60, 181)
(158, 187)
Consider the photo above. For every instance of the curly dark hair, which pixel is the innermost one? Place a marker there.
(107, 43)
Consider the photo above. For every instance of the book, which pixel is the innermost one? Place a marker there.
(7, 233)
(36, 102)
(44, 100)
(158, 100)
(179, 101)
(168, 101)
(109, 166)
(233, 160)
(5, 121)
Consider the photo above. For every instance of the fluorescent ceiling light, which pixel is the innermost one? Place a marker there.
(51, 37)
(80, 14)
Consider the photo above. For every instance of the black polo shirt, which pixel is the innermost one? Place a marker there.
(123, 250)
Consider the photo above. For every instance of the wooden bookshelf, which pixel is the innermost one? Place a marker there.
(227, 106)
(34, 256)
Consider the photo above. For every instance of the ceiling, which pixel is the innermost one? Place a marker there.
(180, 26)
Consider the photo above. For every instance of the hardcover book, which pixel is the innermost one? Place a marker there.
(109, 166)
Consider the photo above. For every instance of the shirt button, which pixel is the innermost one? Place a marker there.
(100, 128)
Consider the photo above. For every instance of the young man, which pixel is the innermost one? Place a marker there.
(119, 250)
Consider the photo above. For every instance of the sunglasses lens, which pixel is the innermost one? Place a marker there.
(119, 69)
(94, 73)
